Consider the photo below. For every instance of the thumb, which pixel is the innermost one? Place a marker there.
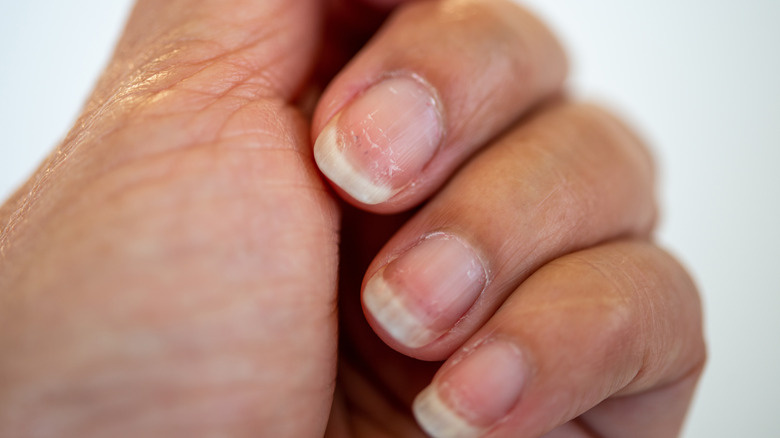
(270, 44)
(190, 334)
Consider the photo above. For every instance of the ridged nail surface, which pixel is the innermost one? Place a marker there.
(382, 140)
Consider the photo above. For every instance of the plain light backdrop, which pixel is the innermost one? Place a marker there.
(699, 78)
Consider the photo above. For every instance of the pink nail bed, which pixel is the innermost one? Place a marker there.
(382, 140)
(473, 395)
(420, 295)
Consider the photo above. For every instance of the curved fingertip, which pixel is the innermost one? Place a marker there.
(388, 309)
(475, 393)
(420, 295)
(429, 90)
(438, 419)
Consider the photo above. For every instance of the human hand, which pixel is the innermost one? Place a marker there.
(141, 292)
(171, 268)
(531, 273)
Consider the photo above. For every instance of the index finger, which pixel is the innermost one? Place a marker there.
(440, 80)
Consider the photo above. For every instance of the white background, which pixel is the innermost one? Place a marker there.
(700, 78)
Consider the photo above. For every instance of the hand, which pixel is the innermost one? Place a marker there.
(531, 273)
(171, 269)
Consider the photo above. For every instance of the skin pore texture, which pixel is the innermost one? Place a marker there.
(436, 244)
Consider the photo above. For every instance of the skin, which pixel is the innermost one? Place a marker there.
(179, 267)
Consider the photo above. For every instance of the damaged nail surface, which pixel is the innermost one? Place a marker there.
(381, 141)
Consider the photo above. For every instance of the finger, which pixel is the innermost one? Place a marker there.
(203, 66)
(141, 281)
(620, 319)
(569, 178)
(439, 80)
(166, 43)
(180, 56)
(175, 60)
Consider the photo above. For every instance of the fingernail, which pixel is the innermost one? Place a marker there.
(420, 295)
(470, 398)
(380, 143)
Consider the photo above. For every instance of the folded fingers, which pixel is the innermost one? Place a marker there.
(569, 178)
(622, 318)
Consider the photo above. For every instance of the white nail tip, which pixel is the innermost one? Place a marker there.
(438, 420)
(390, 311)
(330, 158)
